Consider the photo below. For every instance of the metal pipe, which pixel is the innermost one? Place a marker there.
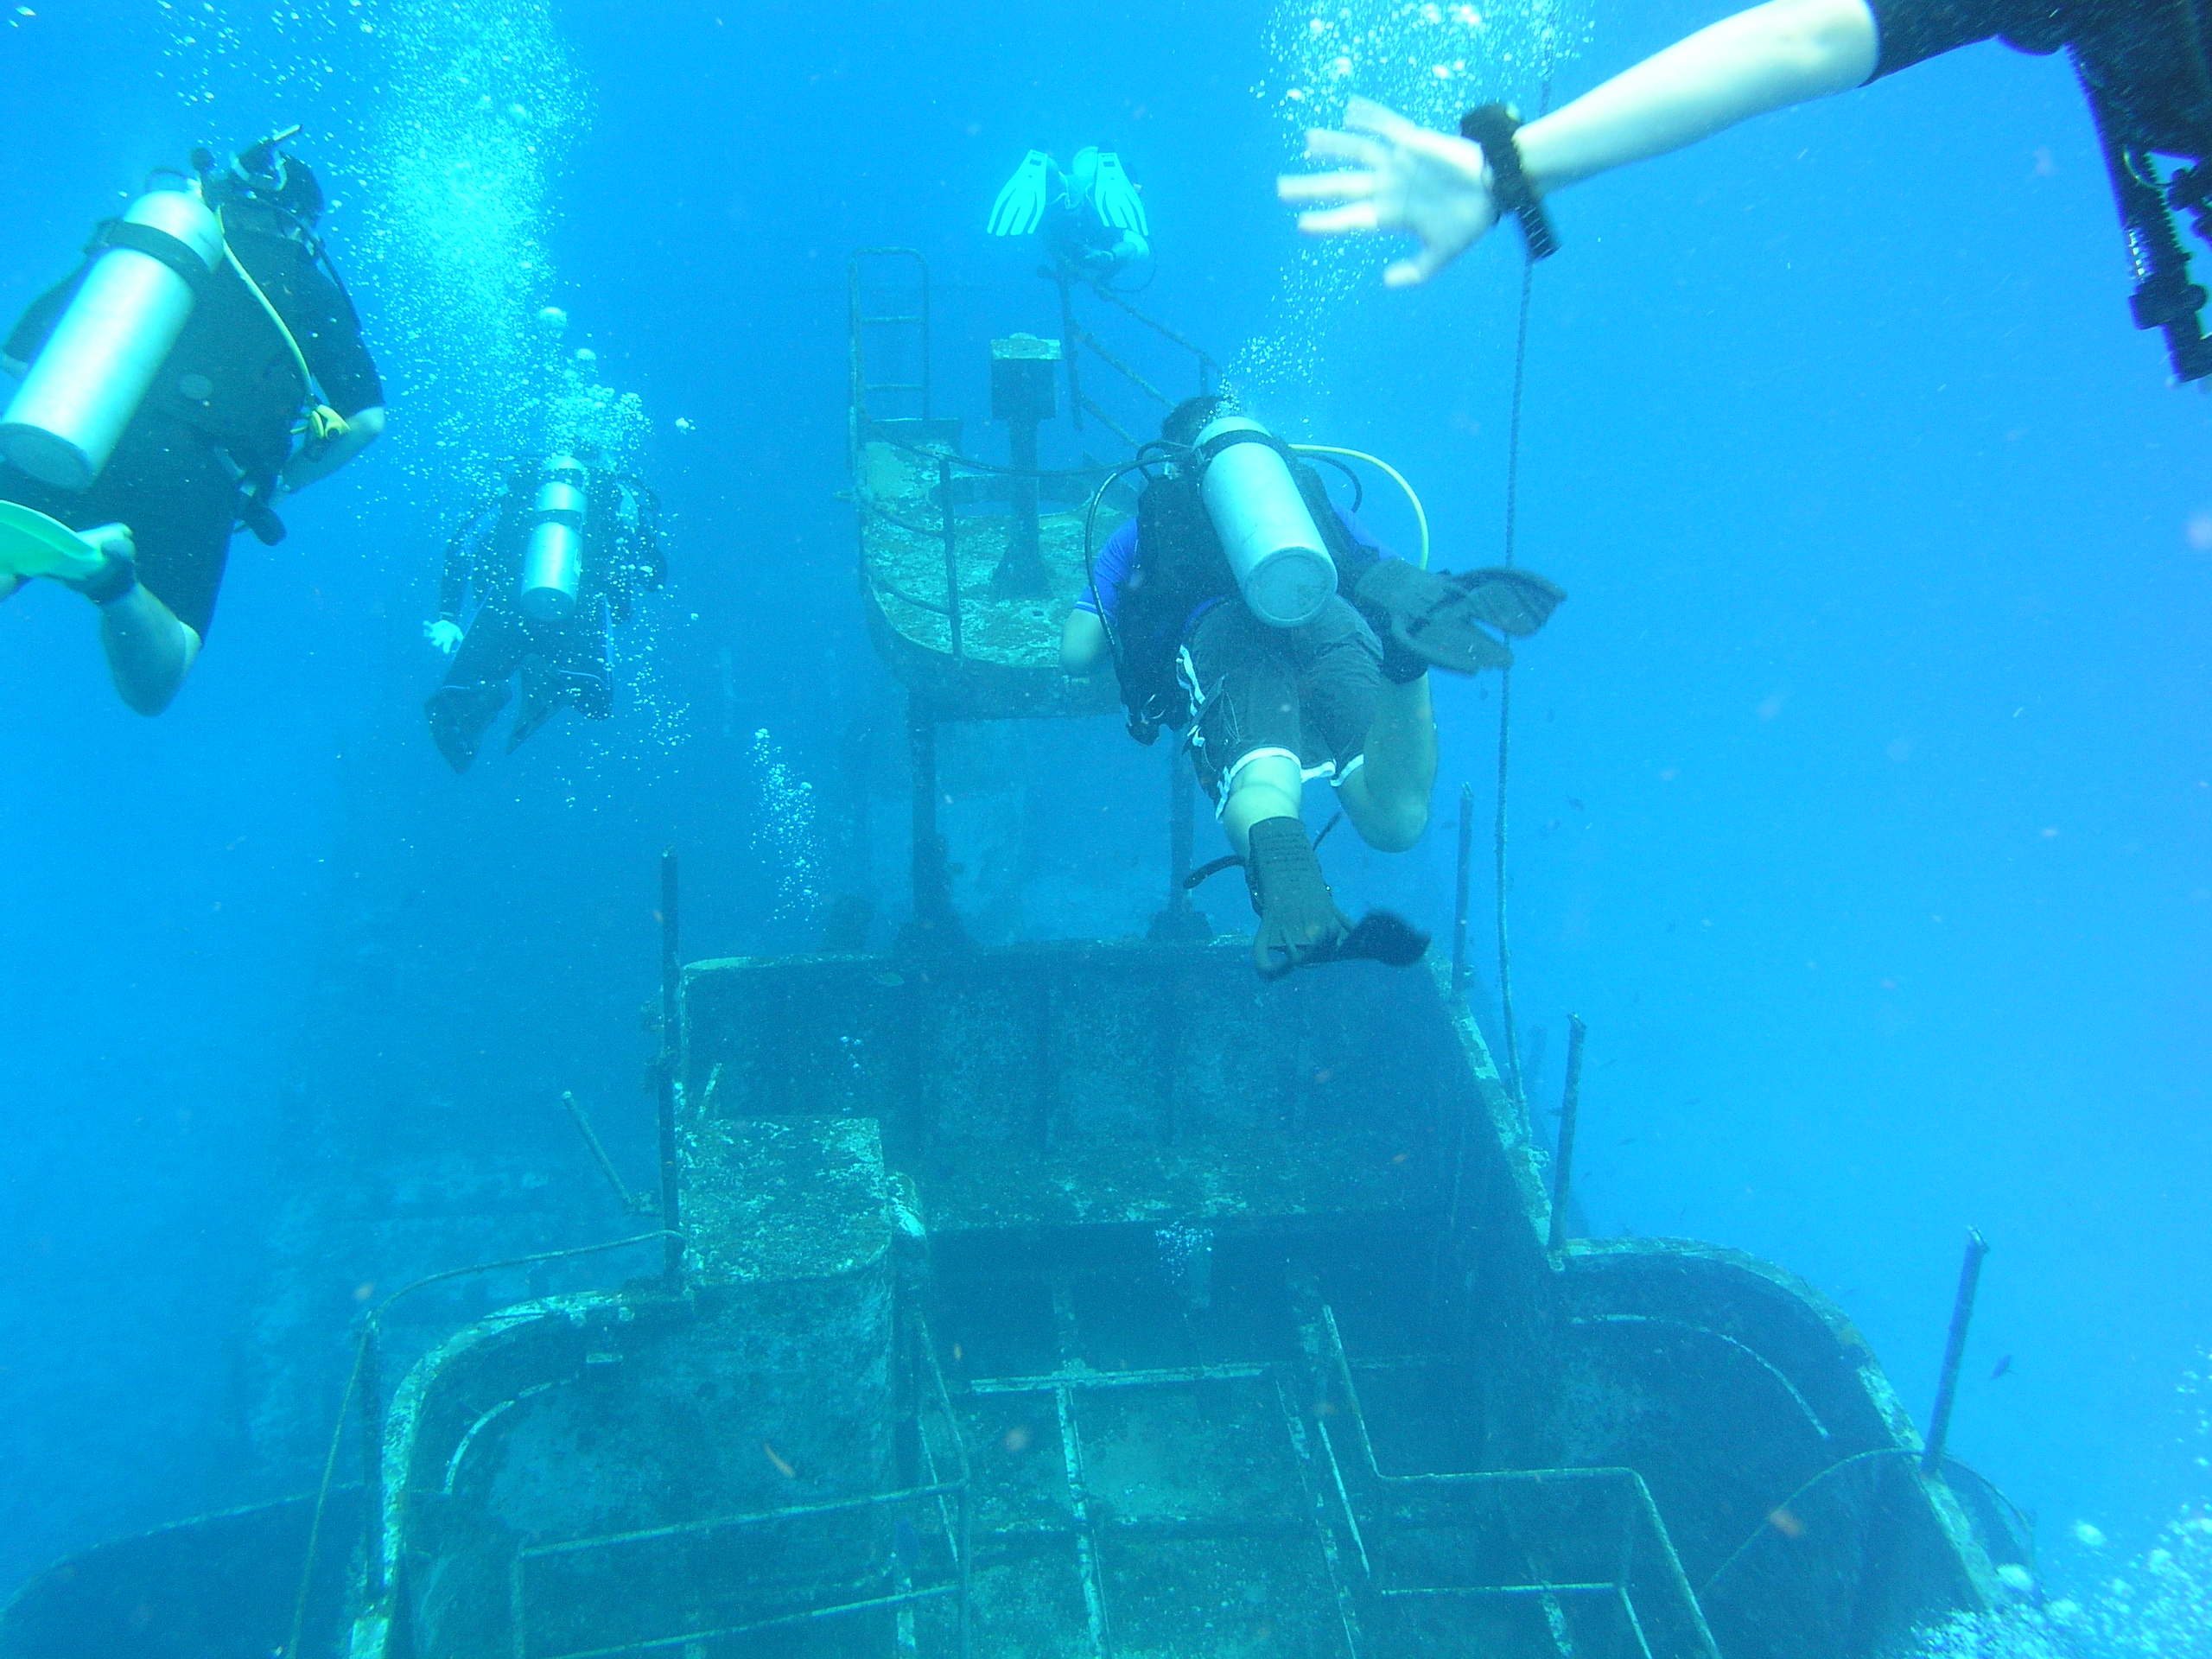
(1070, 336)
(1512, 1037)
(934, 926)
(672, 1030)
(952, 553)
(1569, 1106)
(1459, 901)
(371, 1465)
(623, 1195)
(1182, 790)
(1954, 1353)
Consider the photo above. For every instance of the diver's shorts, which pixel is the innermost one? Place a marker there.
(1310, 692)
(169, 486)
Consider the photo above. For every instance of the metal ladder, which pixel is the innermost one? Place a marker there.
(861, 321)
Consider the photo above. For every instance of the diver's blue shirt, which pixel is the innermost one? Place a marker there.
(1118, 560)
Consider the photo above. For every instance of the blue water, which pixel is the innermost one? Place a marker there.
(1862, 802)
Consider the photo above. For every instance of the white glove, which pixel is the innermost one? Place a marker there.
(444, 635)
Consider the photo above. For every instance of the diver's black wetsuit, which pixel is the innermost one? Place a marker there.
(565, 663)
(2144, 65)
(217, 420)
(2145, 57)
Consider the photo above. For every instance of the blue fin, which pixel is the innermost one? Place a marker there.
(1020, 205)
(1116, 199)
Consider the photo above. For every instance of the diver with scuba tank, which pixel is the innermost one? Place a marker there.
(202, 360)
(1091, 218)
(555, 561)
(1243, 608)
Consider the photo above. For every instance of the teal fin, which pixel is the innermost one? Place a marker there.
(32, 545)
(1116, 199)
(1020, 207)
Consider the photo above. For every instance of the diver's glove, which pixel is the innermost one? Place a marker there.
(1021, 201)
(117, 573)
(444, 634)
(1426, 618)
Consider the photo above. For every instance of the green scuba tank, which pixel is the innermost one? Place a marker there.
(89, 379)
(553, 558)
(1274, 547)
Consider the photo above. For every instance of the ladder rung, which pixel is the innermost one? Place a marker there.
(866, 320)
(894, 386)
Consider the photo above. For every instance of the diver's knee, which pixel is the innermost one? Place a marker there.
(1388, 826)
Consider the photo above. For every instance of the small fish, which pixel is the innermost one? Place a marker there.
(2002, 1366)
(776, 1457)
(1017, 1438)
(1785, 1524)
(1576, 805)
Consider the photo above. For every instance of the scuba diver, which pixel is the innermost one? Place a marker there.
(1093, 218)
(556, 559)
(202, 360)
(2145, 65)
(1243, 608)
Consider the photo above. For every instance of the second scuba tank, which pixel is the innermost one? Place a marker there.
(1274, 549)
(553, 559)
(89, 379)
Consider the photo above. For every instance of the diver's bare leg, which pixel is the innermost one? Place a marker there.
(1270, 786)
(149, 650)
(1387, 798)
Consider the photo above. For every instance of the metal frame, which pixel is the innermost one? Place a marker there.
(1661, 1571)
(952, 1499)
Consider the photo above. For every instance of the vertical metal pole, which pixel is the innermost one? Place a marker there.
(1504, 946)
(1459, 901)
(1182, 790)
(371, 1386)
(1569, 1107)
(924, 264)
(1070, 338)
(1181, 920)
(934, 926)
(1954, 1353)
(1021, 545)
(952, 553)
(671, 1032)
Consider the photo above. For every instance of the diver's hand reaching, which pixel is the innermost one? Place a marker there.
(445, 635)
(1433, 185)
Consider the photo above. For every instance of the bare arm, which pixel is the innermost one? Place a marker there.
(361, 430)
(1082, 644)
(1437, 187)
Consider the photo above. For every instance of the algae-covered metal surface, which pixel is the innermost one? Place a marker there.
(1098, 1302)
(1006, 662)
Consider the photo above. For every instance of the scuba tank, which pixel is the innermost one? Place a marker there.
(1274, 549)
(93, 373)
(553, 559)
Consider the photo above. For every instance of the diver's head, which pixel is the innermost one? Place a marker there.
(264, 175)
(1193, 414)
(1082, 174)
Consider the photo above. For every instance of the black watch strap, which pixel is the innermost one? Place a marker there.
(1492, 126)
